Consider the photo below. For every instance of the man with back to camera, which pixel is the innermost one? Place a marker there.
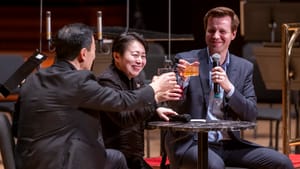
(222, 91)
(57, 117)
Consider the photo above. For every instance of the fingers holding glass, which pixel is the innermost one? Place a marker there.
(170, 90)
(188, 67)
(166, 81)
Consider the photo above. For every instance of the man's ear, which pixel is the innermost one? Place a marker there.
(82, 55)
(233, 35)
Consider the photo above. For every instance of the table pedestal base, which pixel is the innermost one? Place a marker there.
(202, 150)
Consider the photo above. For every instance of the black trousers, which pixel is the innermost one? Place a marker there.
(237, 154)
(115, 160)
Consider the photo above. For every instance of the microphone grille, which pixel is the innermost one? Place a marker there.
(187, 117)
(216, 57)
(99, 13)
(48, 13)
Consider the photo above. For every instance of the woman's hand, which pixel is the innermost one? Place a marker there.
(163, 113)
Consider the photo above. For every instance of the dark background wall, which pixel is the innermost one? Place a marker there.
(19, 26)
(186, 17)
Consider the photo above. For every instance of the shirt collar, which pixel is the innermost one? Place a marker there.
(224, 65)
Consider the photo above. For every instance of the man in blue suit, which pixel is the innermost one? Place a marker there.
(235, 99)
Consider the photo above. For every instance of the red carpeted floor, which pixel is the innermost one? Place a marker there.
(295, 159)
(155, 161)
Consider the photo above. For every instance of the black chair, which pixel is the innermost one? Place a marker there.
(268, 97)
(155, 59)
(6, 143)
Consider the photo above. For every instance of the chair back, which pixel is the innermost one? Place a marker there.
(155, 59)
(6, 143)
(263, 94)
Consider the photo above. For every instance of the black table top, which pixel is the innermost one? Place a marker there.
(198, 126)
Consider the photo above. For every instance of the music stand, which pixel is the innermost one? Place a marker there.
(269, 61)
(21, 73)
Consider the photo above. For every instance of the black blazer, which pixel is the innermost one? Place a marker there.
(58, 120)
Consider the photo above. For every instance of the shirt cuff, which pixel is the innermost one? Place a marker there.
(186, 83)
(230, 93)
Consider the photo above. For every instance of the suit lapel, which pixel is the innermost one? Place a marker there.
(204, 74)
(232, 73)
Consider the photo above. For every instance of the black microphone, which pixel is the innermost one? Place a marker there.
(102, 48)
(48, 30)
(99, 26)
(216, 62)
(180, 117)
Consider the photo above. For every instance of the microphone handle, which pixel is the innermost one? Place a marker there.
(216, 89)
(216, 85)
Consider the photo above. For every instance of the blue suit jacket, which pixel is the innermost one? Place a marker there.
(240, 106)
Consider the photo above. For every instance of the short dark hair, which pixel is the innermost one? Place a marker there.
(71, 39)
(221, 12)
(121, 42)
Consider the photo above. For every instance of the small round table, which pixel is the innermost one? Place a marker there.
(202, 127)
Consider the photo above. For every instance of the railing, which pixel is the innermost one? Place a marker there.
(289, 34)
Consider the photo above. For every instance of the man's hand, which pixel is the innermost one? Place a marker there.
(174, 93)
(218, 75)
(182, 66)
(165, 87)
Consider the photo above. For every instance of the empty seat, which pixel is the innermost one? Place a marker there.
(265, 96)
